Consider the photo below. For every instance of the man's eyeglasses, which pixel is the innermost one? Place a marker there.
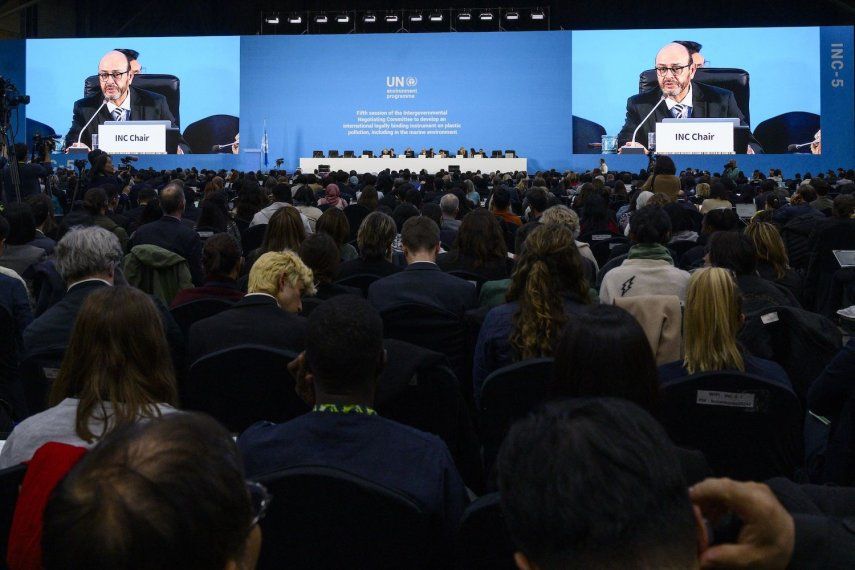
(675, 70)
(103, 75)
(259, 498)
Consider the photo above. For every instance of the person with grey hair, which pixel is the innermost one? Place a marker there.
(88, 259)
(450, 206)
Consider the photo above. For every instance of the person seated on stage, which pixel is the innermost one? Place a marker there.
(548, 288)
(116, 370)
(649, 268)
(337, 374)
(500, 206)
(376, 234)
(463, 152)
(267, 315)
(223, 265)
(320, 253)
(392, 152)
(123, 103)
(684, 98)
(711, 323)
(169, 493)
(422, 281)
(479, 248)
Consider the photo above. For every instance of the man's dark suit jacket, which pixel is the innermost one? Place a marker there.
(707, 102)
(426, 284)
(145, 106)
(52, 330)
(169, 233)
(30, 174)
(255, 319)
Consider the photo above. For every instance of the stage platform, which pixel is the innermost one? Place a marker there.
(431, 165)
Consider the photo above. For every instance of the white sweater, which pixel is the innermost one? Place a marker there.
(635, 277)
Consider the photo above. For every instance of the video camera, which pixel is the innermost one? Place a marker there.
(10, 97)
(43, 146)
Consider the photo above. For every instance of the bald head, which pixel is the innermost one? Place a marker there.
(114, 76)
(172, 199)
(673, 54)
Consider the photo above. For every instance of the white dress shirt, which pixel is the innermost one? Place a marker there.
(126, 106)
(687, 100)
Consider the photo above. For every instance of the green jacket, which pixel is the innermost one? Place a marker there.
(157, 271)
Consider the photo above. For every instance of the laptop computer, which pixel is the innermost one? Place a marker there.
(845, 257)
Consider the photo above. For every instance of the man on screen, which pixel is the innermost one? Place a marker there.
(124, 103)
(684, 98)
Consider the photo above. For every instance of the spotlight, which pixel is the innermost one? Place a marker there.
(342, 18)
(416, 17)
(436, 17)
(512, 15)
(537, 15)
(464, 16)
(272, 20)
(321, 19)
(391, 18)
(485, 16)
(295, 19)
(369, 18)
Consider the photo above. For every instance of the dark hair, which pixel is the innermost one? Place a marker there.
(501, 198)
(734, 251)
(538, 200)
(403, 213)
(95, 200)
(22, 224)
(220, 255)
(588, 341)
(368, 198)
(249, 202)
(151, 212)
(650, 225)
(719, 191)
(679, 216)
(664, 165)
(4, 227)
(320, 253)
(211, 215)
(344, 344)
(165, 493)
(284, 230)
(720, 219)
(420, 234)
(305, 196)
(375, 236)
(282, 193)
(42, 209)
(334, 222)
(433, 212)
(20, 152)
(480, 238)
(844, 205)
(596, 483)
(692, 47)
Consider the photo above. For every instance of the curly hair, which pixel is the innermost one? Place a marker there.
(549, 268)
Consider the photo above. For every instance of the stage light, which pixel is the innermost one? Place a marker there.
(512, 16)
(537, 15)
(464, 16)
(272, 20)
(436, 17)
(391, 18)
(416, 17)
(321, 19)
(486, 16)
(342, 18)
(295, 19)
(369, 18)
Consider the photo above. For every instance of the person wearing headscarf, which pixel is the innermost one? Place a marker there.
(332, 197)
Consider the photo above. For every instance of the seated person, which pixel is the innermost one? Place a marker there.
(449, 226)
(376, 234)
(116, 371)
(719, 198)
(479, 248)
(547, 289)
(320, 254)
(500, 206)
(422, 281)
(223, 265)
(337, 374)
(42, 208)
(721, 220)
(799, 206)
(664, 178)
(18, 255)
(561, 214)
(711, 323)
(95, 203)
(649, 268)
(284, 230)
(334, 223)
(267, 315)
(191, 506)
(772, 260)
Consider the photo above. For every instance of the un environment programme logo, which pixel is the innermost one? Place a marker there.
(401, 87)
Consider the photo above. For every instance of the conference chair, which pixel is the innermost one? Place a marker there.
(368, 153)
(497, 154)
(359, 280)
(349, 154)
(188, 313)
(242, 385)
(326, 518)
(38, 371)
(309, 305)
(777, 133)
(167, 85)
(253, 237)
(473, 278)
(510, 153)
(206, 135)
(735, 80)
(509, 394)
(483, 540)
(418, 388)
(332, 154)
(317, 154)
(748, 428)
(587, 136)
(603, 248)
(355, 213)
(823, 265)
(11, 479)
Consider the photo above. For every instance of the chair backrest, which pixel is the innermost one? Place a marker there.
(38, 371)
(602, 248)
(188, 313)
(355, 213)
(473, 278)
(242, 385)
(795, 127)
(360, 280)
(735, 80)
(431, 328)
(585, 133)
(203, 134)
(167, 85)
(509, 394)
(483, 540)
(253, 237)
(598, 235)
(325, 518)
(11, 479)
(309, 305)
(747, 427)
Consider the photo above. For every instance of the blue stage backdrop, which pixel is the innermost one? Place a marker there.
(483, 90)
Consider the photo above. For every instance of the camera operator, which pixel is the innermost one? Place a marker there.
(32, 176)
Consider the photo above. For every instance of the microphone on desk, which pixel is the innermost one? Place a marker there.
(644, 120)
(95, 114)
(793, 147)
(217, 147)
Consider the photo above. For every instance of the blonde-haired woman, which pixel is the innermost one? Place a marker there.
(773, 263)
(711, 322)
(547, 286)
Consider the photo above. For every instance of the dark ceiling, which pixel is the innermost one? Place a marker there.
(97, 18)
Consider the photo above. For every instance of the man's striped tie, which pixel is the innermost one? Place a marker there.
(679, 111)
(119, 114)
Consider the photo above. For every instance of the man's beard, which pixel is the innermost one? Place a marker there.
(116, 96)
(674, 91)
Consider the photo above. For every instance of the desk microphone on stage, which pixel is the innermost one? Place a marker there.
(217, 147)
(793, 147)
(95, 114)
(635, 149)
